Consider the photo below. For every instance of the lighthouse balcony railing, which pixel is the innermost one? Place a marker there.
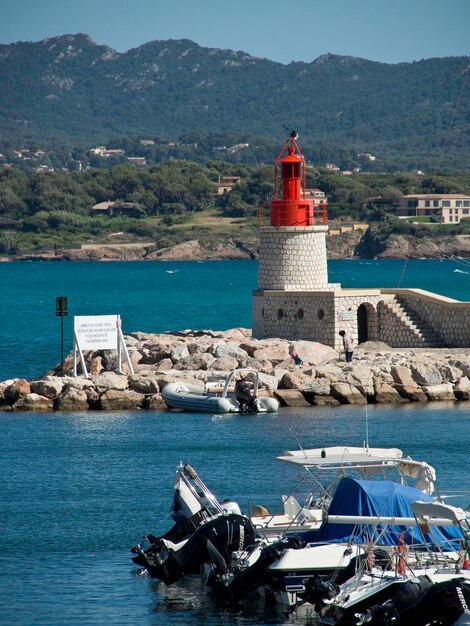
(288, 213)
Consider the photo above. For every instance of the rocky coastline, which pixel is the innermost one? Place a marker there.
(352, 244)
(377, 374)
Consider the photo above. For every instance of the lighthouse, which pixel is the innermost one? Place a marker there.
(294, 299)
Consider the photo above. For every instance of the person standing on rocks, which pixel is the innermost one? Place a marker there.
(347, 345)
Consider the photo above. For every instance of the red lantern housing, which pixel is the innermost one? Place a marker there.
(294, 209)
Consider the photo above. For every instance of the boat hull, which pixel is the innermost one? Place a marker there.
(187, 397)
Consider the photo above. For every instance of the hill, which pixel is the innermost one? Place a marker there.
(71, 89)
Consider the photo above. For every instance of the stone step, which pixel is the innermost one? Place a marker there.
(424, 335)
(430, 337)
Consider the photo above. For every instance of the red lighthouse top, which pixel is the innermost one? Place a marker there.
(295, 208)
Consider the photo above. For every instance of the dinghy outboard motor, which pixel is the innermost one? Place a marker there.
(245, 397)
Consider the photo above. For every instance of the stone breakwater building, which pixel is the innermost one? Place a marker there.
(294, 299)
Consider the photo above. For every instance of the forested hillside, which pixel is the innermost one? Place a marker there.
(176, 202)
(71, 89)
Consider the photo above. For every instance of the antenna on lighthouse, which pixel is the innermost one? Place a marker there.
(292, 133)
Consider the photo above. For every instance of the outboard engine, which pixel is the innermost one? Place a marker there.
(245, 397)
(237, 582)
(221, 535)
(419, 602)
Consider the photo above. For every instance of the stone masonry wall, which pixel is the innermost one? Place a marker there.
(450, 319)
(293, 259)
(347, 303)
(294, 315)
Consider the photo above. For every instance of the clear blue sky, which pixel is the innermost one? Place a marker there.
(282, 30)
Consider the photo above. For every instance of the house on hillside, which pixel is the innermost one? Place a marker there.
(137, 160)
(115, 208)
(8, 224)
(226, 184)
(102, 151)
(449, 208)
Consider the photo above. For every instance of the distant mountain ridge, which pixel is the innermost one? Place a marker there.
(69, 87)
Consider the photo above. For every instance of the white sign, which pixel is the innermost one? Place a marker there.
(96, 332)
(347, 316)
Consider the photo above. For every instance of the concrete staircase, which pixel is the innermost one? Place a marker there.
(403, 327)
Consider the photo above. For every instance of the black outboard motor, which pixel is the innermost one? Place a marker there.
(419, 602)
(236, 583)
(245, 397)
(225, 534)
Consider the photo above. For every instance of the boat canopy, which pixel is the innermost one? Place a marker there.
(366, 461)
(378, 498)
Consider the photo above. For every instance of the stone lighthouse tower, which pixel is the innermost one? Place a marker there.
(294, 299)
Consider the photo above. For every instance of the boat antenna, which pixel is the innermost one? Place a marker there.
(366, 443)
(298, 442)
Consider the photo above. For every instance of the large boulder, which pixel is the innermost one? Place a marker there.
(295, 379)
(444, 391)
(225, 364)
(154, 402)
(317, 387)
(260, 365)
(267, 382)
(230, 349)
(449, 373)
(386, 394)
(179, 352)
(425, 373)
(50, 387)
(361, 376)
(346, 393)
(164, 365)
(462, 388)
(110, 380)
(333, 373)
(413, 394)
(145, 383)
(290, 397)
(78, 382)
(275, 352)
(461, 362)
(155, 351)
(33, 402)
(325, 401)
(72, 400)
(402, 377)
(312, 352)
(16, 389)
(122, 400)
(198, 361)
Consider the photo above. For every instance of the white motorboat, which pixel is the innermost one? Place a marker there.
(323, 547)
(203, 527)
(320, 469)
(237, 393)
(421, 584)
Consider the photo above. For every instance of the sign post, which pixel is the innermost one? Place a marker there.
(98, 332)
(61, 311)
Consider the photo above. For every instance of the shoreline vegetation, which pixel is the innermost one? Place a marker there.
(367, 242)
(180, 210)
(378, 374)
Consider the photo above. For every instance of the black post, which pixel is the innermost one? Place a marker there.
(61, 311)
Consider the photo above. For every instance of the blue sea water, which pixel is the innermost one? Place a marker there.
(156, 296)
(78, 489)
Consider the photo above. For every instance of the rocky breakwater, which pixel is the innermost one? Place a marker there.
(378, 374)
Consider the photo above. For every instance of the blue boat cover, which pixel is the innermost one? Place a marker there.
(378, 498)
